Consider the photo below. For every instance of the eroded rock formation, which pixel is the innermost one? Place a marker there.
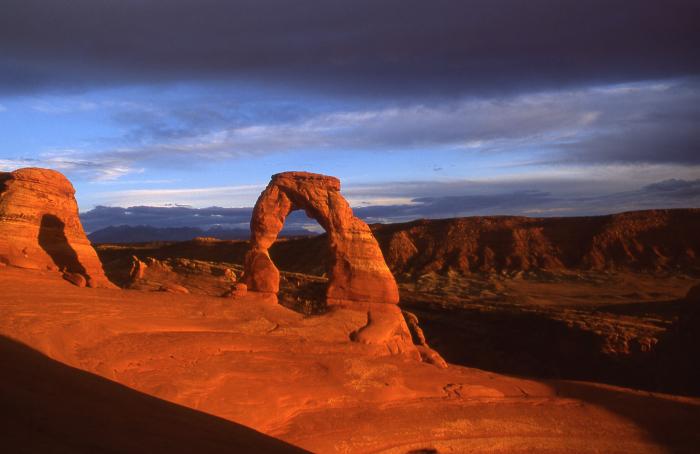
(358, 272)
(40, 227)
(359, 278)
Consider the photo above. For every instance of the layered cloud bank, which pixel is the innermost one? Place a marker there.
(664, 194)
(481, 106)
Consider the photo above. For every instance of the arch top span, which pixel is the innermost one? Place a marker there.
(358, 273)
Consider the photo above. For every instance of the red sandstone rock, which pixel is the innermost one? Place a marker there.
(238, 290)
(40, 227)
(75, 279)
(649, 240)
(173, 288)
(359, 278)
(138, 268)
(358, 271)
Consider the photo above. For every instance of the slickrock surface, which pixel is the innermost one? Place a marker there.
(358, 275)
(606, 326)
(40, 227)
(293, 377)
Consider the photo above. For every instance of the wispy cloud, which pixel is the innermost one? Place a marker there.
(62, 106)
(652, 122)
(476, 198)
(7, 165)
(240, 195)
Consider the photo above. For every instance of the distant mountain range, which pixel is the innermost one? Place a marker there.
(145, 234)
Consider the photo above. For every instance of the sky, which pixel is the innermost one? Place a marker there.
(423, 109)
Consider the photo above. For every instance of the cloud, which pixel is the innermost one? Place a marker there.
(68, 161)
(675, 189)
(8, 165)
(652, 126)
(174, 216)
(455, 200)
(365, 47)
(182, 216)
(229, 195)
(644, 122)
(529, 196)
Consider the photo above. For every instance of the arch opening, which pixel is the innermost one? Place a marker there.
(300, 253)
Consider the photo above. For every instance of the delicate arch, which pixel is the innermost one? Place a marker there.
(358, 272)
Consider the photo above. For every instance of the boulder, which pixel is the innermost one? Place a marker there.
(238, 290)
(40, 227)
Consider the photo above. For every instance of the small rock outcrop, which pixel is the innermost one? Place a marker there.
(40, 227)
(358, 272)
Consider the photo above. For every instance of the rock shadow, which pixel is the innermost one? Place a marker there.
(4, 176)
(542, 349)
(670, 421)
(533, 345)
(53, 240)
(47, 406)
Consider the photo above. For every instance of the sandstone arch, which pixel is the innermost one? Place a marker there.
(358, 274)
(40, 227)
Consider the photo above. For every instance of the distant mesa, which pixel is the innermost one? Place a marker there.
(146, 233)
(40, 227)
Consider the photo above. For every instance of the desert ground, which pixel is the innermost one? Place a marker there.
(129, 370)
(350, 226)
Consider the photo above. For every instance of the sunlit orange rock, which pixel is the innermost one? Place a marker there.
(40, 227)
(358, 272)
(359, 278)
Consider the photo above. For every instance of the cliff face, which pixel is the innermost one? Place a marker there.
(640, 241)
(653, 240)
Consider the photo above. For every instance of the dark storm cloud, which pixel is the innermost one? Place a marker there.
(455, 206)
(657, 128)
(665, 194)
(675, 189)
(369, 47)
(659, 143)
